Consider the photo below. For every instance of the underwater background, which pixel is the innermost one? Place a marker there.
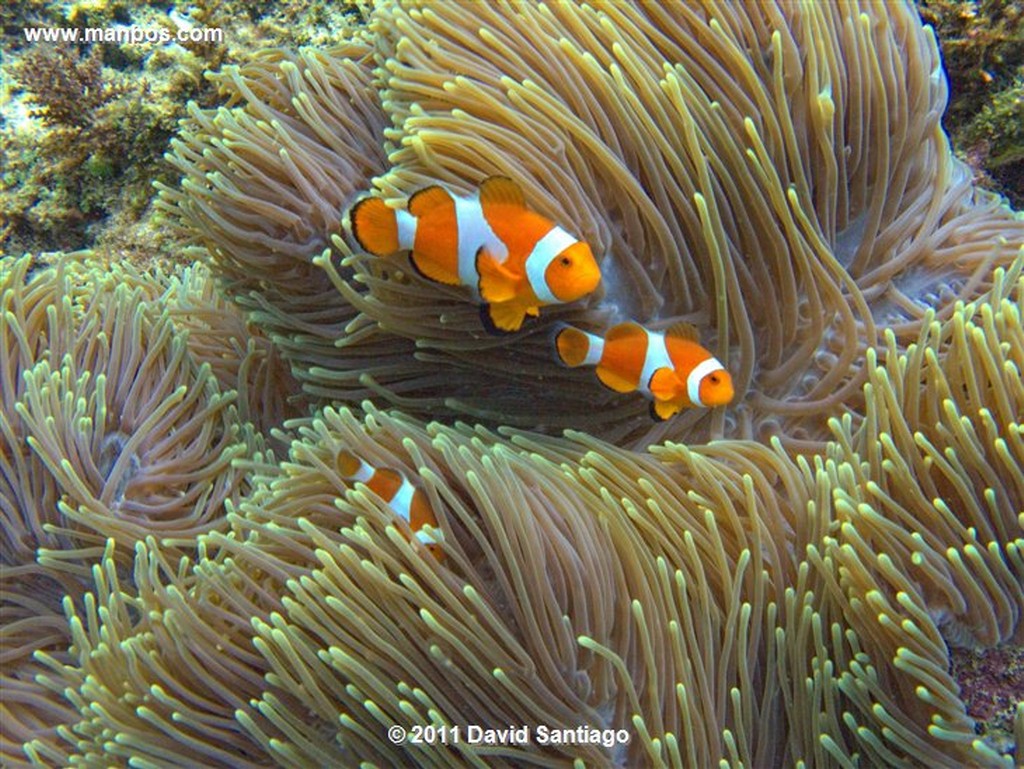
(827, 572)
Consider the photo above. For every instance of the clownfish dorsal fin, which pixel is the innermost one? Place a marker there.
(625, 331)
(496, 282)
(428, 198)
(682, 330)
(501, 191)
(665, 385)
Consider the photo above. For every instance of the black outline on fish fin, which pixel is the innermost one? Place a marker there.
(488, 323)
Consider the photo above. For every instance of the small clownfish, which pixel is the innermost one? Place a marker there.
(514, 258)
(406, 500)
(670, 368)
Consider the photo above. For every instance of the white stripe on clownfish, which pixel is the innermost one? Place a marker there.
(430, 535)
(363, 474)
(406, 223)
(595, 348)
(401, 503)
(657, 357)
(696, 376)
(544, 251)
(475, 233)
(402, 500)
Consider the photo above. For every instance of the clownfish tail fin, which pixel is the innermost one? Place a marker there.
(375, 226)
(348, 464)
(572, 346)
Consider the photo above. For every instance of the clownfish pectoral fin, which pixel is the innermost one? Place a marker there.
(375, 226)
(497, 282)
(665, 385)
(662, 410)
(488, 323)
(501, 191)
(507, 316)
(666, 409)
(427, 199)
(682, 330)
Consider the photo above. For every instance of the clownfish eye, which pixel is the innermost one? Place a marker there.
(566, 261)
(713, 378)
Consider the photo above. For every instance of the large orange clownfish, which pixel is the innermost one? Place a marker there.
(671, 368)
(407, 501)
(515, 259)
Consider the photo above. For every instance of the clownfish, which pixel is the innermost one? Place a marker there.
(407, 501)
(671, 368)
(513, 258)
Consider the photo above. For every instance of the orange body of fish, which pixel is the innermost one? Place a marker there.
(407, 501)
(513, 258)
(671, 368)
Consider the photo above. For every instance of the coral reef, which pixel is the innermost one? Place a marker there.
(799, 579)
(92, 150)
(69, 186)
(992, 685)
(982, 44)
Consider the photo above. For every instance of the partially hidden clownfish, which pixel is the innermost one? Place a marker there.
(407, 501)
(513, 258)
(671, 368)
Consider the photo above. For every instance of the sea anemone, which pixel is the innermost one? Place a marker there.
(266, 183)
(786, 593)
(111, 432)
(242, 358)
(776, 174)
(560, 606)
(928, 548)
(717, 603)
(136, 436)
